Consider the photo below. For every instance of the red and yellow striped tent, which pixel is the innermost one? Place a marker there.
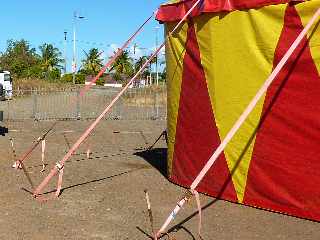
(216, 63)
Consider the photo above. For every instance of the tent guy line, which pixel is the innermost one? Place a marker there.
(115, 56)
(58, 168)
(239, 122)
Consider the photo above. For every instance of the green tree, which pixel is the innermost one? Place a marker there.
(20, 59)
(92, 64)
(123, 65)
(138, 65)
(50, 60)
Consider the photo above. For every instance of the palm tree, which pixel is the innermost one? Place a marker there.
(49, 58)
(93, 63)
(123, 65)
(138, 65)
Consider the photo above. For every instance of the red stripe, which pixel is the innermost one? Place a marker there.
(196, 133)
(284, 172)
(175, 11)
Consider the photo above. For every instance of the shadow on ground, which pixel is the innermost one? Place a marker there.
(84, 183)
(157, 158)
(3, 131)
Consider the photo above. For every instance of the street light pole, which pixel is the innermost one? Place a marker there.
(74, 60)
(65, 52)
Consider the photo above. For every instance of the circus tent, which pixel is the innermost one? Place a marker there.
(215, 65)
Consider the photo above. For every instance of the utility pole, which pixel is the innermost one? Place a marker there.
(65, 52)
(74, 59)
(134, 57)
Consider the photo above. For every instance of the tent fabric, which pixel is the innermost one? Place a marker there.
(215, 66)
(175, 10)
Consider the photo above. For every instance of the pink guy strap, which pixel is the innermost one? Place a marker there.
(85, 89)
(54, 171)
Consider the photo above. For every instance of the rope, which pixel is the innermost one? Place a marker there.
(106, 110)
(196, 195)
(30, 150)
(242, 118)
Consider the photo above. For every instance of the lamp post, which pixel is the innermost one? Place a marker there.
(74, 59)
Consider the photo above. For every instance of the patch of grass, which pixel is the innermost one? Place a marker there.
(27, 84)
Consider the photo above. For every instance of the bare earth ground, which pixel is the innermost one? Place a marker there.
(103, 197)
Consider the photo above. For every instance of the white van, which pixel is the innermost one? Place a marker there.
(5, 84)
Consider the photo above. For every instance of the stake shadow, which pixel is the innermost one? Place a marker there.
(98, 180)
(85, 183)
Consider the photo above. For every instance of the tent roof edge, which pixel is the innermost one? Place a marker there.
(175, 11)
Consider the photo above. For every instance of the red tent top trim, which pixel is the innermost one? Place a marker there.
(176, 11)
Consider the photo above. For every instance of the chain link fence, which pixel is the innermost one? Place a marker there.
(40, 104)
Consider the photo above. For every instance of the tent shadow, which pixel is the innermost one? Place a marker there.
(157, 158)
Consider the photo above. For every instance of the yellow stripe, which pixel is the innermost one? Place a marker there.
(175, 50)
(173, 1)
(306, 10)
(237, 51)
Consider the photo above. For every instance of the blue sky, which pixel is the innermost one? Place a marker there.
(107, 22)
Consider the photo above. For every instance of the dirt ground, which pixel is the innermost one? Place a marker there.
(103, 197)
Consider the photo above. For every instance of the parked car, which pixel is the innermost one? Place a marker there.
(5, 84)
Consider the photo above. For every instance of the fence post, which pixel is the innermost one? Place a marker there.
(78, 114)
(155, 105)
(8, 111)
(119, 104)
(35, 104)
